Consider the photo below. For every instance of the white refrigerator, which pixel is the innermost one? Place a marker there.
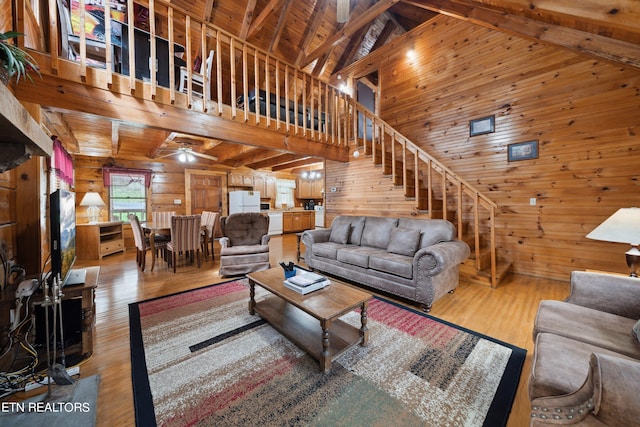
(244, 201)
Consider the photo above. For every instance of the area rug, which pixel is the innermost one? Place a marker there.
(200, 359)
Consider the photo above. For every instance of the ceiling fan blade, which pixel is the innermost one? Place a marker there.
(204, 156)
(165, 155)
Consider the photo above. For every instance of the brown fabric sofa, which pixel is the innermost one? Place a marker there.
(416, 259)
(586, 366)
(244, 247)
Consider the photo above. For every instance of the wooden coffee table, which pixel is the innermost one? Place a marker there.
(311, 321)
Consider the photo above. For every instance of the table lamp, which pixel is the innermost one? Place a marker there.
(94, 203)
(622, 227)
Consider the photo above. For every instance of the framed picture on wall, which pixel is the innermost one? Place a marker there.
(482, 126)
(522, 151)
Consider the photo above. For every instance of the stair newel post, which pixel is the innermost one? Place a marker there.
(459, 210)
(393, 157)
(416, 177)
(476, 231)
(494, 261)
(405, 167)
(430, 187)
(444, 195)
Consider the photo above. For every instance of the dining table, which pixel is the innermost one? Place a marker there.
(152, 229)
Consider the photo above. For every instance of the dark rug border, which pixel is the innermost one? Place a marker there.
(497, 414)
(145, 414)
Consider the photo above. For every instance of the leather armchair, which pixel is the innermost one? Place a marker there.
(244, 247)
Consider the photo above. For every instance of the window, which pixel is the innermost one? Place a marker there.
(284, 192)
(127, 195)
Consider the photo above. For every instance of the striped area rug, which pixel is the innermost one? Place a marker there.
(200, 359)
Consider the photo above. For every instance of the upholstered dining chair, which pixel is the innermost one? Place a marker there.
(244, 246)
(197, 79)
(209, 220)
(143, 243)
(162, 219)
(185, 237)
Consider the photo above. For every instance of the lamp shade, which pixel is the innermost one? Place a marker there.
(621, 227)
(92, 198)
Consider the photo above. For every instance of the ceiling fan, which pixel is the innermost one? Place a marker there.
(187, 155)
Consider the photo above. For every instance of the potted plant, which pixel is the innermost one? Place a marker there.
(14, 62)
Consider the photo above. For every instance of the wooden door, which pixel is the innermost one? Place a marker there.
(206, 193)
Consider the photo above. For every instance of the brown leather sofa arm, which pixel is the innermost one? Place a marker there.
(608, 397)
(606, 292)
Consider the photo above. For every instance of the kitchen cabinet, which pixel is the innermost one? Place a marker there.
(309, 189)
(293, 222)
(240, 180)
(266, 185)
(96, 241)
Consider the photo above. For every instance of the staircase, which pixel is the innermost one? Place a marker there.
(436, 190)
(304, 107)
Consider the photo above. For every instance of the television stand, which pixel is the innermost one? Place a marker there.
(77, 276)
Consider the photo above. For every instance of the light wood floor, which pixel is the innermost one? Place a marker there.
(506, 313)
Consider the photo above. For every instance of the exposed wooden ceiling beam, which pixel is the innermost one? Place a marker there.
(296, 163)
(281, 21)
(581, 41)
(349, 29)
(384, 35)
(352, 48)
(115, 138)
(278, 161)
(310, 31)
(262, 18)
(56, 124)
(248, 18)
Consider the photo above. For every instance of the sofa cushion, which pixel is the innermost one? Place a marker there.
(636, 330)
(340, 233)
(433, 230)
(404, 241)
(326, 249)
(357, 255)
(357, 225)
(377, 231)
(399, 265)
(590, 326)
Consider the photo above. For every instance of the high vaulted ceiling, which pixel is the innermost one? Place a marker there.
(306, 33)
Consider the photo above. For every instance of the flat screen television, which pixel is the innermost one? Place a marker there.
(62, 207)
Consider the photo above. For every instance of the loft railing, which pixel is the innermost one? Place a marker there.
(293, 101)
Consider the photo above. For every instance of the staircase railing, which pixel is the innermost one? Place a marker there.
(252, 86)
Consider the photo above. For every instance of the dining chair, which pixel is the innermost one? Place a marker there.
(209, 220)
(162, 219)
(143, 243)
(197, 79)
(185, 237)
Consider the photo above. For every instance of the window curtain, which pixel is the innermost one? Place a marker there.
(62, 162)
(107, 171)
(284, 192)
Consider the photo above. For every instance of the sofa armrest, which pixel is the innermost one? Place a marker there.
(609, 394)
(265, 240)
(309, 237)
(613, 294)
(441, 256)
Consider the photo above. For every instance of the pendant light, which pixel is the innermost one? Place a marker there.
(342, 12)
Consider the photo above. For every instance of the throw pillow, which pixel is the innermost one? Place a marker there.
(340, 233)
(404, 241)
(636, 330)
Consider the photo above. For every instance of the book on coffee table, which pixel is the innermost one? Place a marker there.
(306, 282)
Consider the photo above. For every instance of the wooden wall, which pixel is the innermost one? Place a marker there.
(583, 111)
(7, 211)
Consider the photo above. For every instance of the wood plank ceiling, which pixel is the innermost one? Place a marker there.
(306, 33)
